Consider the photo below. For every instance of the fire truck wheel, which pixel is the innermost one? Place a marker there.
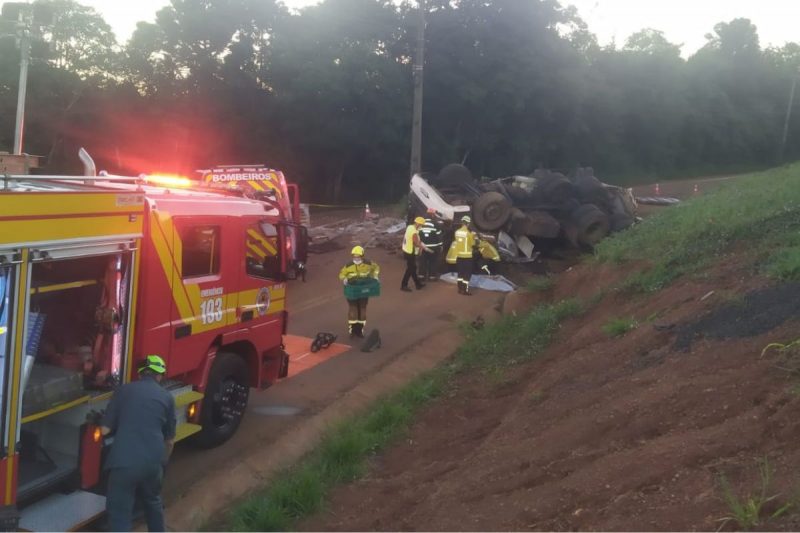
(225, 400)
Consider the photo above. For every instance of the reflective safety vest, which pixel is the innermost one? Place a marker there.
(430, 234)
(408, 239)
(367, 269)
(485, 248)
(451, 254)
(488, 251)
(465, 242)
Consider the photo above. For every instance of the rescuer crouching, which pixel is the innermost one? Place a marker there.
(360, 279)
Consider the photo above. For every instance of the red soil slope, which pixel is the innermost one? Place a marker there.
(621, 434)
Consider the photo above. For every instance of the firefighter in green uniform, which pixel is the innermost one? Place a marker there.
(358, 269)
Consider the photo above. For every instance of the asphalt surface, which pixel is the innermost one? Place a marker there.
(405, 321)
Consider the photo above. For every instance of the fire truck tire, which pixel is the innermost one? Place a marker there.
(225, 400)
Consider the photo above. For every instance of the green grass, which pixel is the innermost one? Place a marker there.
(750, 510)
(759, 212)
(344, 451)
(340, 457)
(540, 284)
(513, 339)
(785, 264)
(617, 327)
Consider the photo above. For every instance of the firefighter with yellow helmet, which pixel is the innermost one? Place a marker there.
(483, 251)
(463, 246)
(357, 271)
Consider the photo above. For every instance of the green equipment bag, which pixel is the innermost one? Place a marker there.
(362, 288)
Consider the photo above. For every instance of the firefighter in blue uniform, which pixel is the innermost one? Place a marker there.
(141, 416)
(432, 236)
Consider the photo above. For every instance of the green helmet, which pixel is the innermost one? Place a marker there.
(154, 363)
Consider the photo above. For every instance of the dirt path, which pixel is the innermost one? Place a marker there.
(287, 420)
(684, 188)
(618, 434)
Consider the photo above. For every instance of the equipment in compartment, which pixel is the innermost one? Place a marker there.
(50, 386)
(84, 300)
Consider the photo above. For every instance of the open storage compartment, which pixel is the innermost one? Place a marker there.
(75, 354)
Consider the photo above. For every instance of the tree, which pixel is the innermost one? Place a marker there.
(652, 43)
(81, 41)
(737, 39)
(341, 94)
(325, 94)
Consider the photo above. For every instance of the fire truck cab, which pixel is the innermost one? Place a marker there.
(95, 274)
(263, 183)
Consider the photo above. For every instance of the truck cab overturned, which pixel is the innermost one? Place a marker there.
(96, 272)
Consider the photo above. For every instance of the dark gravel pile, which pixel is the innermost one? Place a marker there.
(758, 312)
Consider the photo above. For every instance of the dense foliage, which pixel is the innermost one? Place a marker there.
(325, 93)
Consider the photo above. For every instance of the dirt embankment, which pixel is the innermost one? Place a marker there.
(629, 433)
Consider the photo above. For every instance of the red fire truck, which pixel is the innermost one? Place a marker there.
(261, 182)
(96, 272)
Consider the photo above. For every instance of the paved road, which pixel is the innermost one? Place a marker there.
(404, 319)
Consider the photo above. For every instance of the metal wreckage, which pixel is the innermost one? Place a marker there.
(520, 213)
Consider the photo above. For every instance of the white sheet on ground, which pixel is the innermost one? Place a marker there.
(400, 226)
(481, 281)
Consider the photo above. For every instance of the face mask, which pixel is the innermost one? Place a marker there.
(357, 260)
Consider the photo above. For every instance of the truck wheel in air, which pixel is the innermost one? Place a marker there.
(491, 210)
(454, 175)
(225, 400)
(555, 188)
(591, 223)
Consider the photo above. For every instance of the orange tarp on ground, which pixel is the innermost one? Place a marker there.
(301, 358)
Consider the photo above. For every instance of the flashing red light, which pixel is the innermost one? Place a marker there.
(169, 180)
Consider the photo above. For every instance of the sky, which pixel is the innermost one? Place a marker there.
(683, 22)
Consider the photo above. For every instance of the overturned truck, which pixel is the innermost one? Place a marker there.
(519, 210)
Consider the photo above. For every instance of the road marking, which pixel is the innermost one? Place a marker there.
(310, 304)
(300, 356)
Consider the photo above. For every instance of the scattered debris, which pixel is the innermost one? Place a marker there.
(663, 327)
(656, 200)
(400, 226)
(372, 342)
(375, 232)
(517, 210)
(481, 281)
(322, 340)
(325, 246)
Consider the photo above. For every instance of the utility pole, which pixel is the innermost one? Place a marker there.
(416, 123)
(788, 116)
(25, 53)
